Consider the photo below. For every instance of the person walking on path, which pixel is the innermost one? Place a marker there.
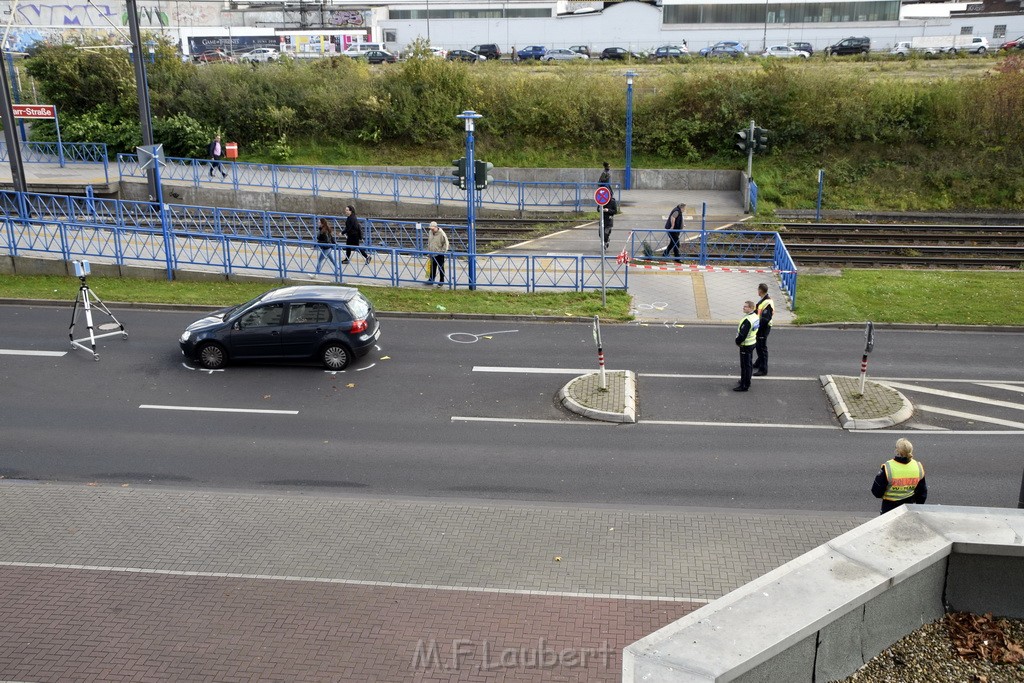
(606, 177)
(746, 336)
(353, 232)
(325, 241)
(765, 310)
(674, 226)
(437, 245)
(609, 210)
(214, 151)
(901, 480)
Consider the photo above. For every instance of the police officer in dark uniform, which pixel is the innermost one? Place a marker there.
(765, 309)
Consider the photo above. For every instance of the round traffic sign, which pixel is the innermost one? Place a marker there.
(602, 195)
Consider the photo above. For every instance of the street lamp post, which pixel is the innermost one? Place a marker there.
(628, 182)
(469, 118)
(765, 37)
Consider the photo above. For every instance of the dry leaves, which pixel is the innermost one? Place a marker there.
(982, 637)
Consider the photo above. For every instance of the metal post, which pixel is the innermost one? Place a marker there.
(470, 117)
(16, 94)
(750, 152)
(821, 188)
(628, 181)
(142, 88)
(600, 237)
(13, 144)
(1020, 498)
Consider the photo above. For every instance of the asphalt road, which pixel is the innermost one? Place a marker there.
(466, 409)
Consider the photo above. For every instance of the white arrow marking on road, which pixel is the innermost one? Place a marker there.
(17, 352)
(220, 410)
(956, 395)
(971, 416)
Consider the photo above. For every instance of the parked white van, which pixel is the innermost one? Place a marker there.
(360, 49)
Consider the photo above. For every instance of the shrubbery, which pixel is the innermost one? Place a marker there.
(682, 114)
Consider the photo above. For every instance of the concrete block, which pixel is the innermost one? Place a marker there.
(7, 265)
(840, 647)
(101, 269)
(903, 608)
(144, 272)
(986, 583)
(793, 664)
(284, 201)
(199, 276)
(24, 265)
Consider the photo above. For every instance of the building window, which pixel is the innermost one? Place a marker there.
(488, 13)
(999, 31)
(967, 30)
(782, 12)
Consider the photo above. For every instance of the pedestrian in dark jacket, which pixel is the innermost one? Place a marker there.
(609, 210)
(606, 177)
(673, 227)
(325, 241)
(214, 151)
(353, 233)
(901, 480)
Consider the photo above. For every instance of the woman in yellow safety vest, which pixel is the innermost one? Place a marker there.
(901, 480)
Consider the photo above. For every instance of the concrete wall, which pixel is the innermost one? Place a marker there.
(826, 613)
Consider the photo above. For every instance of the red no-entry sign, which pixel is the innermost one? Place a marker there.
(602, 195)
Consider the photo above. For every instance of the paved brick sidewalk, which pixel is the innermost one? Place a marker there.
(135, 583)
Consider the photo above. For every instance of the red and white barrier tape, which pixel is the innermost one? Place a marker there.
(711, 269)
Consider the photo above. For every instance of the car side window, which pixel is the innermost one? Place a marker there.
(264, 316)
(299, 314)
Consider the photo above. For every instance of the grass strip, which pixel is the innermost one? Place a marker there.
(404, 299)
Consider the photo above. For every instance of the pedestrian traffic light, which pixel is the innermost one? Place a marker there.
(761, 143)
(743, 141)
(459, 173)
(482, 174)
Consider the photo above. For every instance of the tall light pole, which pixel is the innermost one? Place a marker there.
(628, 184)
(469, 117)
(428, 23)
(142, 88)
(765, 37)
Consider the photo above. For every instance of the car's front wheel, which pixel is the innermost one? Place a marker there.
(212, 356)
(335, 356)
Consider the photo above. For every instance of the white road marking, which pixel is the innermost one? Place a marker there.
(536, 371)
(203, 409)
(758, 425)
(18, 352)
(347, 582)
(942, 380)
(1007, 387)
(473, 338)
(970, 416)
(682, 423)
(777, 378)
(956, 395)
(465, 418)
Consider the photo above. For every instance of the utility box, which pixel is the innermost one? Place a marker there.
(231, 150)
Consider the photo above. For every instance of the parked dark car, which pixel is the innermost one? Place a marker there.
(855, 45)
(725, 48)
(582, 49)
(803, 47)
(379, 57)
(464, 56)
(619, 53)
(532, 52)
(669, 52)
(488, 50)
(322, 323)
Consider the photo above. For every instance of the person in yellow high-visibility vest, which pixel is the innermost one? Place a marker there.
(901, 480)
(746, 336)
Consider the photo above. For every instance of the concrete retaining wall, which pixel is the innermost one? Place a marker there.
(826, 613)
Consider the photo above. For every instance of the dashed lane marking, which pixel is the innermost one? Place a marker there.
(970, 416)
(203, 409)
(19, 352)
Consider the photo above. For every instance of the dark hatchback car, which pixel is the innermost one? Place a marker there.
(379, 57)
(617, 53)
(464, 56)
(487, 50)
(803, 47)
(331, 325)
(855, 45)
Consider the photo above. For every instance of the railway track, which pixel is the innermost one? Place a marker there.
(922, 246)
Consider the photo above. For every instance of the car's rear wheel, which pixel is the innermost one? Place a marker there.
(212, 356)
(335, 356)
(982, 50)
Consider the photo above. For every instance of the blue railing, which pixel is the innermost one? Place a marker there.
(62, 154)
(396, 187)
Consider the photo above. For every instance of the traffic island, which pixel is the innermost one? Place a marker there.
(616, 403)
(877, 407)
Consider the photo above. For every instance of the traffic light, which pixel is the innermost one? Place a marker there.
(459, 173)
(482, 174)
(761, 142)
(743, 141)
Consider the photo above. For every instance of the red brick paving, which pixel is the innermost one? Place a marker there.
(83, 625)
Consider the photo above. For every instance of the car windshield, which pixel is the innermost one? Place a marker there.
(231, 312)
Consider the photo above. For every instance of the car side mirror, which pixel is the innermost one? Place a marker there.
(237, 325)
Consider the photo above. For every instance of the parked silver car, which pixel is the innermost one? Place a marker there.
(562, 55)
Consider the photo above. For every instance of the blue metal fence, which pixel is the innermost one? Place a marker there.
(396, 187)
(62, 154)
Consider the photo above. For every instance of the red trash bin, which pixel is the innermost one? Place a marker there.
(231, 150)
